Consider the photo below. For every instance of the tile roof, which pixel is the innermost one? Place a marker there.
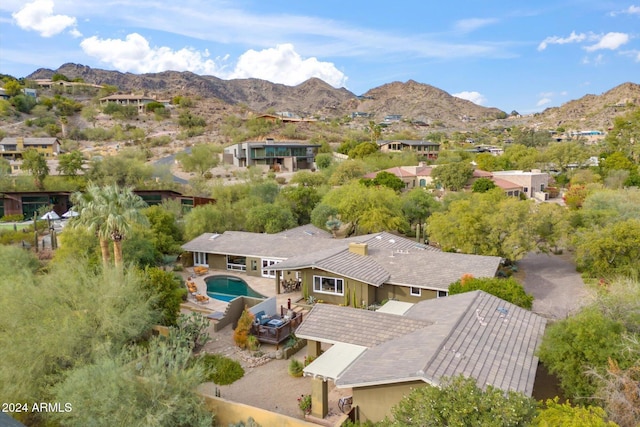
(391, 259)
(474, 334)
(333, 324)
(30, 141)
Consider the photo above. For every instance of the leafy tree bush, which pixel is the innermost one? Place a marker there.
(167, 235)
(295, 368)
(459, 401)
(166, 293)
(508, 289)
(482, 185)
(323, 160)
(35, 163)
(386, 179)
(188, 120)
(190, 331)
(23, 103)
(564, 414)
(268, 218)
(220, 369)
(202, 158)
(453, 176)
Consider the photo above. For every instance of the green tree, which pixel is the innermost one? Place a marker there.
(73, 311)
(574, 345)
(555, 413)
(70, 163)
(12, 88)
(417, 206)
(23, 103)
(487, 162)
(347, 171)
(624, 135)
(167, 235)
(563, 154)
(36, 164)
(386, 179)
(363, 149)
(109, 212)
(127, 168)
(612, 249)
(324, 160)
(482, 185)
(507, 289)
(139, 387)
(485, 224)
(367, 209)
(308, 179)
(453, 176)
(459, 401)
(323, 213)
(300, 201)
(268, 218)
(208, 219)
(165, 292)
(202, 158)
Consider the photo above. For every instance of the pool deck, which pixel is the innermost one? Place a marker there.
(263, 285)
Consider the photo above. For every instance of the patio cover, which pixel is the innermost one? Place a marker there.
(395, 307)
(330, 364)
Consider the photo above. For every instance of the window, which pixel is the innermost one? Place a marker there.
(415, 292)
(526, 190)
(268, 263)
(236, 262)
(200, 258)
(254, 265)
(328, 285)
(442, 294)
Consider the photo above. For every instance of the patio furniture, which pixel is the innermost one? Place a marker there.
(344, 402)
(275, 330)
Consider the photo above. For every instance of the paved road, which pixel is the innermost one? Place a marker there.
(169, 160)
(557, 288)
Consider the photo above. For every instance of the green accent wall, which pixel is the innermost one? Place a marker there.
(402, 293)
(375, 402)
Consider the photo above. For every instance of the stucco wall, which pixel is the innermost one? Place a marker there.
(375, 403)
(217, 262)
(362, 290)
(402, 293)
(228, 412)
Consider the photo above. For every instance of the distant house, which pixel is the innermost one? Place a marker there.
(383, 355)
(391, 118)
(360, 115)
(27, 202)
(425, 149)
(138, 101)
(359, 270)
(283, 155)
(412, 176)
(12, 148)
(533, 183)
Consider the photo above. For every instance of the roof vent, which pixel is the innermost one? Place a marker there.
(392, 241)
(214, 236)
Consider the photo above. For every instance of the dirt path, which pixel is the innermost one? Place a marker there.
(557, 288)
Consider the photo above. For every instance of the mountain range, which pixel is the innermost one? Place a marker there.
(412, 100)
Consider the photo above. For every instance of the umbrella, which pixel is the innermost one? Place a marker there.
(70, 214)
(50, 215)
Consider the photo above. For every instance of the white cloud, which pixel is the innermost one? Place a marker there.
(279, 65)
(38, 16)
(475, 97)
(472, 24)
(631, 10)
(543, 101)
(573, 38)
(610, 41)
(136, 55)
(283, 64)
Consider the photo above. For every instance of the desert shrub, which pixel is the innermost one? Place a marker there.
(220, 369)
(295, 368)
(241, 332)
(12, 218)
(190, 331)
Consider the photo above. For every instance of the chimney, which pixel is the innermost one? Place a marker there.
(20, 144)
(359, 248)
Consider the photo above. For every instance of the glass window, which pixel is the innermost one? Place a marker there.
(200, 258)
(268, 263)
(416, 292)
(235, 262)
(328, 285)
(442, 294)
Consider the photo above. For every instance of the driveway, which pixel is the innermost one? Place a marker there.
(557, 288)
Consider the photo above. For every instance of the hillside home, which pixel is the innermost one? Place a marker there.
(412, 176)
(382, 355)
(358, 271)
(12, 148)
(533, 183)
(426, 149)
(138, 101)
(27, 202)
(282, 155)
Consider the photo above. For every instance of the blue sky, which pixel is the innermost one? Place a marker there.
(494, 53)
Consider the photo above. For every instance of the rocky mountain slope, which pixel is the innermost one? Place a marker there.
(412, 100)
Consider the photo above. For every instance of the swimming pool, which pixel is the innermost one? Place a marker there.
(226, 288)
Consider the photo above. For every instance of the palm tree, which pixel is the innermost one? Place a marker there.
(109, 212)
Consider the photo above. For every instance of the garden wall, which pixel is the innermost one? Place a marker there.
(228, 412)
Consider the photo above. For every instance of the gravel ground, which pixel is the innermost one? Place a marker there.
(267, 386)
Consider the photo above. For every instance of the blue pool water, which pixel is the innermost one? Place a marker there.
(226, 288)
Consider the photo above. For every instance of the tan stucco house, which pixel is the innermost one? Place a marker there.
(13, 148)
(358, 271)
(383, 355)
(425, 149)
